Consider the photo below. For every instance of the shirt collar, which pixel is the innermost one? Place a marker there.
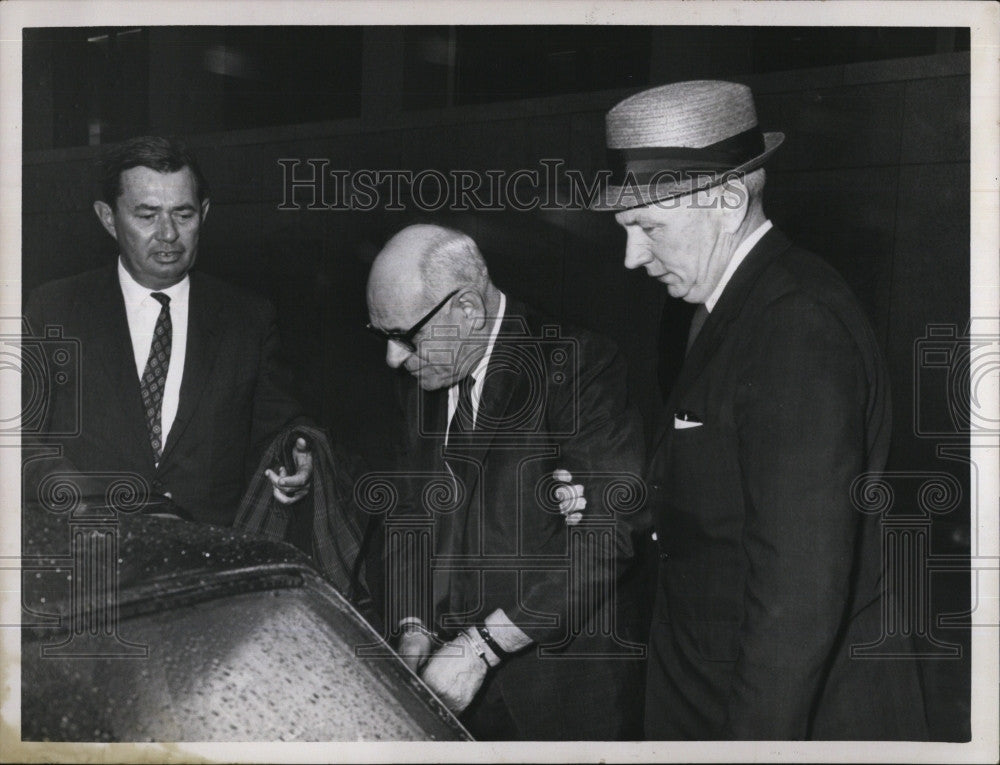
(734, 262)
(484, 362)
(134, 293)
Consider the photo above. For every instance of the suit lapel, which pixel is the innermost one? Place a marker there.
(475, 447)
(502, 381)
(106, 311)
(433, 414)
(470, 451)
(773, 243)
(203, 335)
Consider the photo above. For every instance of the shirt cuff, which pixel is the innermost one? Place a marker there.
(507, 634)
(413, 623)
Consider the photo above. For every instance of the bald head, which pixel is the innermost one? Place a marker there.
(428, 260)
(414, 272)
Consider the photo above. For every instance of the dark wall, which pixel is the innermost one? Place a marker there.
(874, 176)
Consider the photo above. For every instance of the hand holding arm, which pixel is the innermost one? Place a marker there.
(570, 496)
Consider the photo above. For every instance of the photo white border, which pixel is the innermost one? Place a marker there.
(984, 21)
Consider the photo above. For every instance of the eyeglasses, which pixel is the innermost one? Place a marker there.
(405, 339)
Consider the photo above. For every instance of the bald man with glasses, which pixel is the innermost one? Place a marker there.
(527, 422)
(407, 338)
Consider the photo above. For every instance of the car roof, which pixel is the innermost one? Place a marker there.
(257, 606)
(157, 552)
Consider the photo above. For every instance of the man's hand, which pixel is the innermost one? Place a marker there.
(455, 673)
(415, 647)
(570, 496)
(288, 489)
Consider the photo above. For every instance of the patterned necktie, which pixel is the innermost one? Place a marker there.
(154, 377)
(697, 321)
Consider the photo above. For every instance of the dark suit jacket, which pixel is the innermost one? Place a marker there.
(232, 397)
(769, 574)
(552, 398)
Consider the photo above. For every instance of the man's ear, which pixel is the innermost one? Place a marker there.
(734, 202)
(473, 307)
(106, 216)
(204, 209)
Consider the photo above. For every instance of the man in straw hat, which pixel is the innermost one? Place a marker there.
(769, 620)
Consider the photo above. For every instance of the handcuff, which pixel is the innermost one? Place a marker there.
(480, 639)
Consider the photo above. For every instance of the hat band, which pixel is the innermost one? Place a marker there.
(642, 165)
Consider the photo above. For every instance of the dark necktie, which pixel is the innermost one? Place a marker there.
(154, 377)
(697, 322)
(461, 423)
(462, 420)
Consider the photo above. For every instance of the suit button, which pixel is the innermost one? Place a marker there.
(656, 486)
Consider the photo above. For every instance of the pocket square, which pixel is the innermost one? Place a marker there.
(685, 419)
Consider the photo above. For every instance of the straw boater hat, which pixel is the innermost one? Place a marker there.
(679, 138)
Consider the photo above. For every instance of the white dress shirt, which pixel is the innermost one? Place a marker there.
(142, 312)
(734, 262)
(478, 374)
(508, 635)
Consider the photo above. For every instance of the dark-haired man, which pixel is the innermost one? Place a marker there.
(177, 382)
